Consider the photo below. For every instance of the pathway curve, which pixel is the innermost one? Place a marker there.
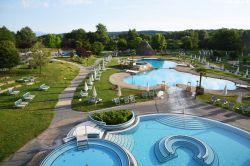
(64, 119)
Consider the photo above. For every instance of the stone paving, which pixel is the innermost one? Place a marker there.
(175, 101)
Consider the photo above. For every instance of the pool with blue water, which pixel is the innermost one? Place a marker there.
(231, 146)
(163, 72)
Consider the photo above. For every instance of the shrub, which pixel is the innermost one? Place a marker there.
(113, 117)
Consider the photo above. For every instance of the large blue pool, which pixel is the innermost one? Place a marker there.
(173, 77)
(230, 146)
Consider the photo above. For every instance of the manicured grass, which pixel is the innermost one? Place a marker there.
(105, 90)
(207, 97)
(18, 126)
(83, 61)
(113, 117)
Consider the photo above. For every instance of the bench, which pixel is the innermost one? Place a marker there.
(11, 92)
(20, 103)
(44, 87)
(28, 96)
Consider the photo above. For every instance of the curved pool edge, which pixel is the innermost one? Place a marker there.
(121, 153)
(230, 80)
(220, 124)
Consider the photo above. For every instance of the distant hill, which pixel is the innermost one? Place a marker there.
(39, 33)
(146, 32)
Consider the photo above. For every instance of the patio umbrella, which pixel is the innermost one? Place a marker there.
(239, 99)
(225, 90)
(92, 77)
(119, 92)
(86, 87)
(103, 65)
(94, 92)
(148, 87)
(94, 74)
(237, 71)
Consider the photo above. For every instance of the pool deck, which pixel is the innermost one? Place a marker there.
(176, 101)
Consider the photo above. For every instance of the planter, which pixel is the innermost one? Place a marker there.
(114, 127)
(199, 90)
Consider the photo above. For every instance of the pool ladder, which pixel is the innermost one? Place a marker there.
(82, 142)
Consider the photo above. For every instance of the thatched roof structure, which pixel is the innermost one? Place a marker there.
(144, 48)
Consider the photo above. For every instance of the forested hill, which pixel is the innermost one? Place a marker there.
(145, 32)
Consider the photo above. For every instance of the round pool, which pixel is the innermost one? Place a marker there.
(163, 72)
(98, 152)
(229, 145)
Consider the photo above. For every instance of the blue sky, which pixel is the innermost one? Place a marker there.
(57, 16)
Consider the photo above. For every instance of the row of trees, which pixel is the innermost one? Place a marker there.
(79, 39)
(222, 39)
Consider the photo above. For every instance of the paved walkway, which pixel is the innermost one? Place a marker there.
(175, 101)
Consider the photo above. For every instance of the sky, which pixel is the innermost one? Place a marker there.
(59, 16)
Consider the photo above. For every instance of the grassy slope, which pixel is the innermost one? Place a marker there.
(85, 61)
(105, 90)
(18, 126)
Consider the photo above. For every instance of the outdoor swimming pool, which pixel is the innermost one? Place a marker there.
(231, 146)
(99, 152)
(173, 77)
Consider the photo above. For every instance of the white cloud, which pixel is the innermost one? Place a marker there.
(77, 2)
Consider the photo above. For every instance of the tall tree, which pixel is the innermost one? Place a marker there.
(52, 41)
(102, 34)
(25, 38)
(159, 42)
(9, 56)
(40, 57)
(122, 44)
(246, 40)
(6, 34)
(226, 39)
(97, 47)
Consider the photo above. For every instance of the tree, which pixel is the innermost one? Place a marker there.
(133, 39)
(186, 42)
(112, 45)
(194, 40)
(74, 38)
(159, 42)
(9, 56)
(202, 72)
(52, 41)
(97, 47)
(6, 34)
(122, 44)
(25, 38)
(39, 57)
(102, 34)
(246, 40)
(226, 39)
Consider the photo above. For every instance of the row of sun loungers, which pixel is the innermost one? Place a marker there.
(231, 106)
(150, 94)
(21, 103)
(125, 100)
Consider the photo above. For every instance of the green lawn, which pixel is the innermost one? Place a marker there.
(105, 90)
(206, 98)
(83, 61)
(18, 126)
